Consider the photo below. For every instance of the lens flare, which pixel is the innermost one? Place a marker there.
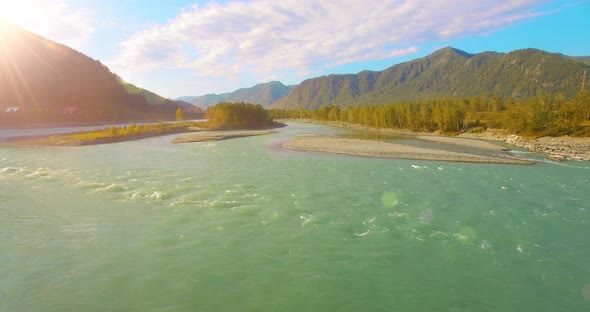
(389, 199)
(467, 235)
(586, 292)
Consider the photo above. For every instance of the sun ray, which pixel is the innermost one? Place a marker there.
(24, 83)
(13, 82)
(12, 70)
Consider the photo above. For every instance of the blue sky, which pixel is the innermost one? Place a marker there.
(180, 47)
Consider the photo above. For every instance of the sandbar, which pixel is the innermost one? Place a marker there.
(463, 142)
(207, 136)
(555, 148)
(381, 149)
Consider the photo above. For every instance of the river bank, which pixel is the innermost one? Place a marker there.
(555, 148)
(65, 140)
(102, 136)
(51, 125)
(381, 149)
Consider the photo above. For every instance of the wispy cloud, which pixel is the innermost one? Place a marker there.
(265, 37)
(56, 20)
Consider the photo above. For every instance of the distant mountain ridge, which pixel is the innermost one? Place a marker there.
(50, 82)
(262, 93)
(44, 81)
(448, 72)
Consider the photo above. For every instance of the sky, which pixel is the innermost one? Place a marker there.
(180, 47)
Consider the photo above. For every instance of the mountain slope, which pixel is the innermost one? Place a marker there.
(51, 82)
(445, 73)
(154, 99)
(263, 94)
(583, 59)
(204, 101)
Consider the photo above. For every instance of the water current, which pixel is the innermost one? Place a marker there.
(244, 225)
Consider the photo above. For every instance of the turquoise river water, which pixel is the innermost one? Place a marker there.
(243, 225)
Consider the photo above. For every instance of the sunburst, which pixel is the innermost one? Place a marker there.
(9, 68)
(17, 12)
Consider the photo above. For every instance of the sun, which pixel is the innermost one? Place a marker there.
(21, 13)
(4, 28)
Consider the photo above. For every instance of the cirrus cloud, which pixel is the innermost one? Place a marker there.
(265, 37)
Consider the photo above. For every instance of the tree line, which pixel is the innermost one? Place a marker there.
(547, 115)
(237, 115)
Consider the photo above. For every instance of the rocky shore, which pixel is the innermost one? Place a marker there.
(556, 148)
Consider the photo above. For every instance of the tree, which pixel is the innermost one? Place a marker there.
(237, 115)
(333, 113)
(179, 114)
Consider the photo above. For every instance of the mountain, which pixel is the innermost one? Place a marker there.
(51, 83)
(583, 59)
(156, 100)
(206, 100)
(447, 72)
(263, 94)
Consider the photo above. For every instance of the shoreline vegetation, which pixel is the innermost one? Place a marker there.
(222, 117)
(531, 118)
(549, 124)
(235, 120)
(101, 136)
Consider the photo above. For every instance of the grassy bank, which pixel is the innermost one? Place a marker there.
(223, 116)
(110, 135)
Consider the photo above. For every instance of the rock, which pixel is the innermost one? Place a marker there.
(512, 139)
(556, 157)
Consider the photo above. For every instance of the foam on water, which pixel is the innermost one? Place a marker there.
(217, 204)
(112, 188)
(183, 202)
(156, 195)
(9, 170)
(89, 184)
(306, 219)
(25, 172)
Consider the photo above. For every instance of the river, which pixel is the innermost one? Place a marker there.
(244, 225)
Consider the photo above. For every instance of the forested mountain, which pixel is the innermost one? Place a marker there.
(157, 100)
(263, 94)
(42, 81)
(445, 73)
(583, 59)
